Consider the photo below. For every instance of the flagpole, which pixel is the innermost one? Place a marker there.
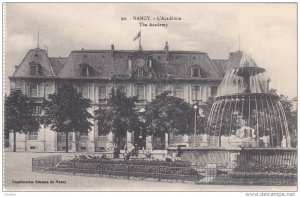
(140, 41)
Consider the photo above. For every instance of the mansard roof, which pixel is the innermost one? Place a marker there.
(35, 57)
(108, 64)
(57, 63)
(111, 63)
(222, 65)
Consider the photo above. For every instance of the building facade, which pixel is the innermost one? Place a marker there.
(190, 75)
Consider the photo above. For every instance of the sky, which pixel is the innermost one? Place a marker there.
(268, 32)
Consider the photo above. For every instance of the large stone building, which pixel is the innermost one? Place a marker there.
(190, 75)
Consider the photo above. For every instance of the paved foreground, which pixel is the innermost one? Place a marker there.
(17, 168)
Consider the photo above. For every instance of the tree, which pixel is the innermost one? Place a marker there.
(118, 116)
(19, 115)
(67, 111)
(168, 114)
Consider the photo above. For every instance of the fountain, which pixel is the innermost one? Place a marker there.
(246, 123)
(244, 114)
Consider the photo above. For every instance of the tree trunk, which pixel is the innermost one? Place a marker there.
(163, 141)
(67, 142)
(118, 142)
(15, 145)
(77, 139)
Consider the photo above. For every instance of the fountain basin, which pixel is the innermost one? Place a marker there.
(234, 156)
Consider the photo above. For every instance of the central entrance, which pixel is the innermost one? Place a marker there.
(139, 140)
(159, 142)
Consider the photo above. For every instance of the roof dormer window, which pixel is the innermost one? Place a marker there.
(34, 70)
(195, 72)
(84, 70)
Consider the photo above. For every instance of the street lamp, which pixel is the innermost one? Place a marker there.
(195, 126)
(141, 110)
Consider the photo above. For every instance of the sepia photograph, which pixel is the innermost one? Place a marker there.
(194, 97)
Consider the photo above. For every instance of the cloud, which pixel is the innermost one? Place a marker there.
(18, 42)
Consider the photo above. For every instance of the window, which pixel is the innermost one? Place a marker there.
(101, 135)
(195, 72)
(178, 91)
(18, 85)
(121, 88)
(33, 90)
(83, 148)
(84, 71)
(33, 135)
(83, 134)
(62, 137)
(34, 70)
(140, 71)
(140, 91)
(159, 89)
(37, 109)
(84, 90)
(130, 65)
(169, 89)
(48, 90)
(32, 147)
(102, 98)
(196, 93)
(102, 92)
(214, 91)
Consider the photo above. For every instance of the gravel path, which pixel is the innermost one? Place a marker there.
(18, 177)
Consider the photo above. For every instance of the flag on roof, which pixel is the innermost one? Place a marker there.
(137, 36)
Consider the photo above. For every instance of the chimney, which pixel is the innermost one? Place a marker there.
(16, 67)
(167, 51)
(112, 48)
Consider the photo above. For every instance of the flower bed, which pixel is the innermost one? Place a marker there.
(153, 169)
(262, 175)
(178, 163)
(258, 167)
(280, 181)
(259, 174)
